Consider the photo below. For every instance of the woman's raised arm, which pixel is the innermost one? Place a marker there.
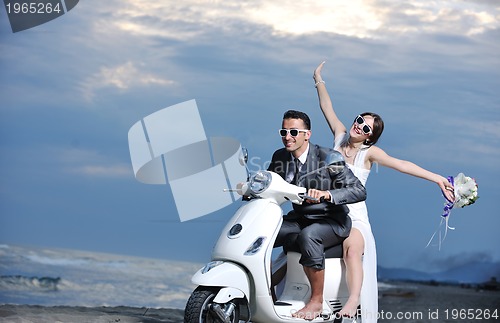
(325, 103)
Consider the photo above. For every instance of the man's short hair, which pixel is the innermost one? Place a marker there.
(293, 114)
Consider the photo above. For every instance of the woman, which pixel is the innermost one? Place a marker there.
(357, 145)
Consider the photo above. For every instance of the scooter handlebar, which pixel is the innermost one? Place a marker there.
(266, 184)
(308, 197)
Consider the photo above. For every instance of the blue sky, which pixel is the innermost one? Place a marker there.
(72, 88)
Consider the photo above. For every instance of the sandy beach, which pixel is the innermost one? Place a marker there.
(399, 302)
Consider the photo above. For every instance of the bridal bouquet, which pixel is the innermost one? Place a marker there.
(465, 189)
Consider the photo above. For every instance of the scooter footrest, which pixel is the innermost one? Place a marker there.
(335, 305)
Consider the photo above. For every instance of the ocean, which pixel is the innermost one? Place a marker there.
(53, 277)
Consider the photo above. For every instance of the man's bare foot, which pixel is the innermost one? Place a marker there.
(311, 311)
(350, 308)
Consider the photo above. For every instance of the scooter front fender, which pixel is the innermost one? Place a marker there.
(224, 274)
(227, 294)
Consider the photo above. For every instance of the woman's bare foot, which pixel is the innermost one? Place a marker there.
(311, 311)
(350, 308)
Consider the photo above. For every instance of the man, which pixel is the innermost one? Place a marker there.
(319, 223)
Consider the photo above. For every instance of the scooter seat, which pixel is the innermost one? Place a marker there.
(336, 251)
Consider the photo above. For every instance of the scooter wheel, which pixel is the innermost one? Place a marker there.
(198, 307)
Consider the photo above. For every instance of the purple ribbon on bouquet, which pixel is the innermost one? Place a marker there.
(444, 218)
(449, 205)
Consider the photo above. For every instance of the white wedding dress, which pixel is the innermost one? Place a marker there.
(359, 216)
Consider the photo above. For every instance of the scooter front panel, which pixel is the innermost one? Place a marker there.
(258, 220)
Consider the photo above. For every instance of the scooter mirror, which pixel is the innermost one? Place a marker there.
(335, 163)
(243, 159)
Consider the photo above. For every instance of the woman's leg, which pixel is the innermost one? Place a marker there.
(354, 247)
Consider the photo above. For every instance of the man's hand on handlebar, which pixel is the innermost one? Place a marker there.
(317, 196)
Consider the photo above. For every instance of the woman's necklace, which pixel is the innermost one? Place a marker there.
(349, 145)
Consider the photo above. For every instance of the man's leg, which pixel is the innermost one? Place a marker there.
(288, 233)
(315, 306)
(312, 241)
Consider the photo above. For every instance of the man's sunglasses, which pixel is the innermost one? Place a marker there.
(292, 132)
(367, 130)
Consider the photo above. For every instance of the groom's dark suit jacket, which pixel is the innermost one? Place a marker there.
(344, 188)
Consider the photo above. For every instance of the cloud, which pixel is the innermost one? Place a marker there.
(102, 170)
(350, 18)
(180, 20)
(455, 260)
(356, 18)
(121, 77)
(91, 163)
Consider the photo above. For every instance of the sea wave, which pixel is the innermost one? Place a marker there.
(56, 261)
(84, 261)
(21, 283)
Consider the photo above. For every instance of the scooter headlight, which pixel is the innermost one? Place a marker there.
(260, 181)
(210, 266)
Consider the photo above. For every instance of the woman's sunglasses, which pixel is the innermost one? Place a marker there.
(367, 130)
(292, 132)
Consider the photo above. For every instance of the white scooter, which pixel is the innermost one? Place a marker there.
(236, 285)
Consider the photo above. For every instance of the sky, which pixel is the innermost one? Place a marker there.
(73, 87)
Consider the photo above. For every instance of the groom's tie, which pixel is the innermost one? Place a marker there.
(296, 162)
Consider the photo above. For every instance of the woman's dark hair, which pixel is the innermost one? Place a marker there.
(293, 114)
(378, 128)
